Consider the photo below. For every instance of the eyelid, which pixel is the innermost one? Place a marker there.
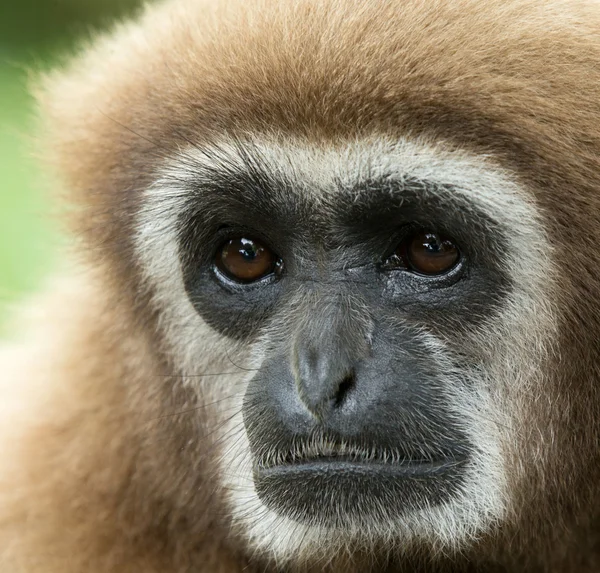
(398, 237)
(227, 232)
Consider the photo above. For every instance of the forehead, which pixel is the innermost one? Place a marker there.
(194, 70)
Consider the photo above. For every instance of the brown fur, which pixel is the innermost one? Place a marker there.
(97, 475)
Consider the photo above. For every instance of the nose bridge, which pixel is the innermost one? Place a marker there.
(332, 335)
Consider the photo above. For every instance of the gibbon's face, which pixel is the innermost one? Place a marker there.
(372, 299)
(360, 232)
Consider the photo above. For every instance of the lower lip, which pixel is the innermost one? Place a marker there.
(337, 492)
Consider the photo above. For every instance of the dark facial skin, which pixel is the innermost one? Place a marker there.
(341, 290)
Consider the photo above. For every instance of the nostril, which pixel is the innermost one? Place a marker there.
(344, 389)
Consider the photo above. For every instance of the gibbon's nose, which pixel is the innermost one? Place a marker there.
(324, 378)
(326, 356)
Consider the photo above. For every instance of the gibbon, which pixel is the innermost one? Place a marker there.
(334, 296)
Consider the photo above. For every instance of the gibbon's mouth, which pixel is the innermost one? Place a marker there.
(331, 463)
(339, 489)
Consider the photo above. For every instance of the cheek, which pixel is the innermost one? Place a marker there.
(236, 312)
(507, 398)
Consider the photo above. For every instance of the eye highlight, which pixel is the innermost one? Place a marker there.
(246, 260)
(426, 253)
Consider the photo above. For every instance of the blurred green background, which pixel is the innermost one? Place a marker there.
(34, 34)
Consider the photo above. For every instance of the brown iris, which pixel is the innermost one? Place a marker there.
(431, 253)
(245, 260)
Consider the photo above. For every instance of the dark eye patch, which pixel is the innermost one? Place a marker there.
(339, 240)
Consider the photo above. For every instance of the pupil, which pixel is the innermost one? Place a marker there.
(432, 244)
(248, 250)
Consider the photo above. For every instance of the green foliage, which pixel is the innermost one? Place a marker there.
(27, 25)
(32, 33)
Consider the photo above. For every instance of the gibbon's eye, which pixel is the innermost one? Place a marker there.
(426, 253)
(246, 260)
